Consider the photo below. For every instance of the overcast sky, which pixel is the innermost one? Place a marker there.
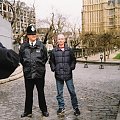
(70, 8)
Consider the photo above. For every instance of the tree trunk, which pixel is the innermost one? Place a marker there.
(105, 55)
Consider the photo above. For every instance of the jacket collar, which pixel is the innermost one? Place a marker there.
(38, 43)
(32, 42)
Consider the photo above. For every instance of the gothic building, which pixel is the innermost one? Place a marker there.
(100, 15)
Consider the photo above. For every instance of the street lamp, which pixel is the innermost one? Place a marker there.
(101, 65)
(85, 65)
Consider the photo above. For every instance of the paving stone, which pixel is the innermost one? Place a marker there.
(97, 90)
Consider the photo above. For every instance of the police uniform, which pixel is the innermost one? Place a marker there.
(33, 57)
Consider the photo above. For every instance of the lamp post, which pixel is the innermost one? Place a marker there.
(86, 65)
(101, 65)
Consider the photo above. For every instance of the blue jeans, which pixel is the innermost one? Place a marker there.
(71, 89)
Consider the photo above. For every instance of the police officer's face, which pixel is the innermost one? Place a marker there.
(61, 39)
(32, 38)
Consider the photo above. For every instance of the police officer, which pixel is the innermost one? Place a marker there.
(33, 57)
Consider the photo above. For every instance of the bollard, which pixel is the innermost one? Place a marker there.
(101, 65)
(85, 65)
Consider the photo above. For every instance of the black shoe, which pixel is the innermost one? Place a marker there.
(26, 115)
(76, 111)
(46, 114)
(60, 111)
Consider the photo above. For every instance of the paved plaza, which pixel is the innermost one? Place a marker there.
(98, 92)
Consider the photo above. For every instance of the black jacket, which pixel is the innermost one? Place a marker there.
(33, 59)
(9, 61)
(62, 62)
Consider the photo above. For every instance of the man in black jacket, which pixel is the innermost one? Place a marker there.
(62, 62)
(9, 61)
(33, 57)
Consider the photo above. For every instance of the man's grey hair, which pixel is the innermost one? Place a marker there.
(60, 34)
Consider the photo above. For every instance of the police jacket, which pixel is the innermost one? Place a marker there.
(33, 59)
(62, 63)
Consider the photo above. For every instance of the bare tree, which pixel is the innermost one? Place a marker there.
(76, 36)
(56, 25)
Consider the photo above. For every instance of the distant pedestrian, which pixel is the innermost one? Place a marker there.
(33, 57)
(62, 62)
